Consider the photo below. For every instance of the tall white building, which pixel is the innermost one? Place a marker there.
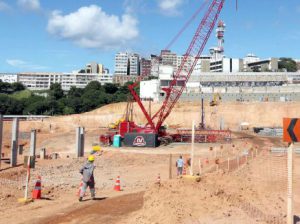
(168, 58)
(155, 65)
(134, 64)
(121, 63)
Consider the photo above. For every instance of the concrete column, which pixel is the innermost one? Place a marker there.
(21, 149)
(82, 141)
(222, 124)
(32, 143)
(43, 153)
(32, 146)
(1, 131)
(14, 142)
(79, 142)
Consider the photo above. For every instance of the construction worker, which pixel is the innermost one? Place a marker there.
(87, 172)
(179, 165)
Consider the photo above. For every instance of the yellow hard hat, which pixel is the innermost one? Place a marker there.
(96, 148)
(91, 158)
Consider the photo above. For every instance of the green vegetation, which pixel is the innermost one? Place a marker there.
(289, 64)
(15, 99)
(22, 94)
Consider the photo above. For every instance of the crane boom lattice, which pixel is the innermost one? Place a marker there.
(196, 47)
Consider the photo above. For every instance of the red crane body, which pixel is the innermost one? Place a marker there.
(194, 51)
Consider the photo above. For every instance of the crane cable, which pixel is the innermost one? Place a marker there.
(186, 25)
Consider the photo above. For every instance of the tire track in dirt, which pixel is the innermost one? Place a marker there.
(106, 210)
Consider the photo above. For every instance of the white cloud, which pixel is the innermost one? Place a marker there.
(17, 63)
(170, 7)
(30, 5)
(91, 27)
(4, 6)
(135, 6)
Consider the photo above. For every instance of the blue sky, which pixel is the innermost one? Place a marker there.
(64, 35)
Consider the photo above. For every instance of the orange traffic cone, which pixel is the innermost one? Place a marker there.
(37, 191)
(80, 189)
(117, 185)
(158, 179)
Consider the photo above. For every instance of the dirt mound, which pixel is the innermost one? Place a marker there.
(217, 198)
(257, 114)
(232, 113)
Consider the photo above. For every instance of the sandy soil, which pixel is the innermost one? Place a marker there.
(254, 191)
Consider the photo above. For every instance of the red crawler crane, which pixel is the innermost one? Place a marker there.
(173, 92)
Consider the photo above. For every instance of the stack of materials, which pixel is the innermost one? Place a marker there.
(272, 132)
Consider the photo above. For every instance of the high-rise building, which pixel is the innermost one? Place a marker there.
(155, 61)
(121, 63)
(168, 58)
(134, 64)
(145, 65)
(94, 68)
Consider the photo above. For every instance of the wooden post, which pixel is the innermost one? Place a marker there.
(192, 149)
(252, 154)
(290, 215)
(170, 166)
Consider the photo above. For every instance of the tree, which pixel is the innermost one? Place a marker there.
(5, 87)
(56, 91)
(68, 110)
(111, 88)
(75, 92)
(94, 85)
(37, 108)
(10, 106)
(287, 63)
(17, 86)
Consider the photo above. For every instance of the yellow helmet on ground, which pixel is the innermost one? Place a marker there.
(91, 158)
(96, 148)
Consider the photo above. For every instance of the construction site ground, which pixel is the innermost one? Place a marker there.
(252, 191)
